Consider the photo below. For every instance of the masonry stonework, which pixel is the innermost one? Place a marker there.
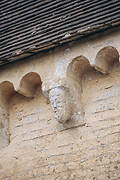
(79, 86)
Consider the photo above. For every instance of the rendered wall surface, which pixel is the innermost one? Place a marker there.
(87, 147)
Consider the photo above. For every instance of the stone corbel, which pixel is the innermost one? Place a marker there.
(60, 101)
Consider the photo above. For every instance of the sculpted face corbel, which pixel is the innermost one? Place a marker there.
(60, 101)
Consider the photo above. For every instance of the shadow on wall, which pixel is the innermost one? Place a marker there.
(66, 101)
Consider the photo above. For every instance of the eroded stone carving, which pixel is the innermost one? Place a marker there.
(61, 103)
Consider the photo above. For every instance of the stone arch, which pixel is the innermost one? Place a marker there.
(6, 92)
(106, 58)
(78, 67)
(76, 70)
(75, 73)
(29, 84)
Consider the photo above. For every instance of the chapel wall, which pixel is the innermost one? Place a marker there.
(42, 148)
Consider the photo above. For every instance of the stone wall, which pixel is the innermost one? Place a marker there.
(86, 144)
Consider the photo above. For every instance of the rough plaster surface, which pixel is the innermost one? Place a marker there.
(4, 133)
(85, 148)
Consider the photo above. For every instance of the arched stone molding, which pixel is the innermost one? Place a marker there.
(28, 88)
(76, 70)
(64, 96)
(29, 84)
(106, 58)
(6, 92)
